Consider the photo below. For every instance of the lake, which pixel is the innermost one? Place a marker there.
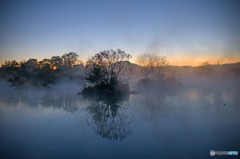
(188, 123)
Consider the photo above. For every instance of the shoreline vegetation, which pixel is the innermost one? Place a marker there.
(108, 74)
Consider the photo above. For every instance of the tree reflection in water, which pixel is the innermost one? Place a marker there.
(109, 119)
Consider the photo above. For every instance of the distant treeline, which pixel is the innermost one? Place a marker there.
(105, 69)
(40, 73)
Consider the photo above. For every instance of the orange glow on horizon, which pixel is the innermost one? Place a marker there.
(176, 61)
(196, 61)
(199, 61)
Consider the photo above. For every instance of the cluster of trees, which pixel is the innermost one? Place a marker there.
(106, 70)
(152, 65)
(107, 66)
(36, 72)
(106, 73)
(155, 81)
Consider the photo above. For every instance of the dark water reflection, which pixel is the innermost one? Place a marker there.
(185, 124)
(109, 119)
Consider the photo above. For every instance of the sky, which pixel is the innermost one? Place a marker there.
(187, 32)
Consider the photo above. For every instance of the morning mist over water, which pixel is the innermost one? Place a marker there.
(171, 91)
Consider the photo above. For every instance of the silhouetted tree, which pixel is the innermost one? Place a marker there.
(45, 74)
(69, 59)
(152, 64)
(10, 67)
(21, 73)
(95, 75)
(104, 71)
(29, 72)
(10, 64)
(56, 62)
(44, 63)
(107, 66)
(30, 65)
(10, 70)
(29, 69)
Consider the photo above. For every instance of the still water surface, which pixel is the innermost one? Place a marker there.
(184, 124)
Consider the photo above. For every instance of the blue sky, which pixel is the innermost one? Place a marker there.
(186, 31)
